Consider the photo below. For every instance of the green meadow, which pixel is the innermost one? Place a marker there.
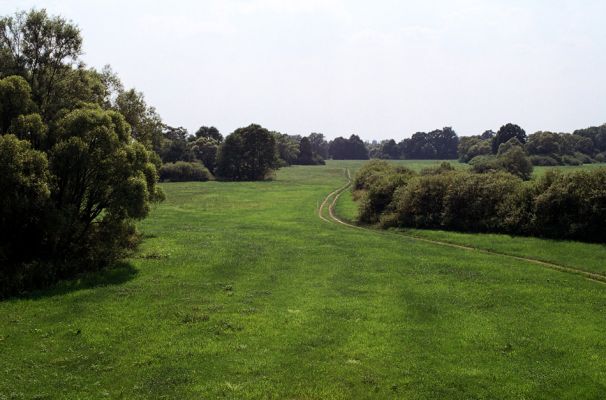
(241, 291)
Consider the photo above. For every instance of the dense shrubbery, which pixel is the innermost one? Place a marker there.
(566, 206)
(584, 146)
(379, 180)
(73, 180)
(182, 171)
(512, 160)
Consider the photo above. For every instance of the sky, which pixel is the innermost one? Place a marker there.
(380, 69)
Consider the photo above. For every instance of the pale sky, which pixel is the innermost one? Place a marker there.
(380, 69)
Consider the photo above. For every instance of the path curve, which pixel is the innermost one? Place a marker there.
(335, 219)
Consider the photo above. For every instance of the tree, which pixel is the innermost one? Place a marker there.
(205, 149)
(73, 178)
(487, 135)
(175, 145)
(544, 144)
(104, 181)
(15, 100)
(146, 124)
(287, 147)
(42, 50)
(306, 156)
(209, 133)
(445, 141)
(506, 133)
(473, 146)
(25, 190)
(390, 149)
(348, 149)
(319, 146)
(512, 160)
(247, 154)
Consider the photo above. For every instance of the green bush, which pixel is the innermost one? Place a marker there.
(182, 171)
(420, 204)
(512, 159)
(572, 205)
(544, 161)
(380, 180)
(567, 206)
(71, 209)
(583, 158)
(571, 160)
(475, 202)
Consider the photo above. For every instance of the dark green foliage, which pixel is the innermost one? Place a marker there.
(474, 202)
(15, 100)
(209, 133)
(597, 136)
(420, 204)
(571, 160)
(440, 169)
(42, 49)
(182, 171)
(380, 180)
(348, 149)
(473, 146)
(506, 133)
(319, 146)
(146, 125)
(287, 148)
(206, 149)
(247, 154)
(370, 172)
(545, 161)
(439, 144)
(25, 196)
(73, 179)
(569, 206)
(512, 160)
(306, 156)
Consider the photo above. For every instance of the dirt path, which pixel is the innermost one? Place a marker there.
(335, 219)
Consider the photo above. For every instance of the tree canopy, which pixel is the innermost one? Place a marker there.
(247, 154)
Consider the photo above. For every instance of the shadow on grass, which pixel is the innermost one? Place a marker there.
(116, 274)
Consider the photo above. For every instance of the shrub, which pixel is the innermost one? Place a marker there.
(420, 204)
(572, 205)
(571, 160)
(583, 158)
(558, 205)
(443, 167)
(475, 202)
(182, 171)
(601, 157)
(544, 161)
(370, 172)
(513, 160)
(380, 181)
(71, 209)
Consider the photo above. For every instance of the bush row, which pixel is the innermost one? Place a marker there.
(182, 171)
(557, 205)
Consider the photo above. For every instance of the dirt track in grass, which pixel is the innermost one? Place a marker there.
(333, 218)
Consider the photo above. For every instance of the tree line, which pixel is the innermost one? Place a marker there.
(248, 153)
(557, 205)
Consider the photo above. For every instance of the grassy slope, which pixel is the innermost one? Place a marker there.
(240, 291)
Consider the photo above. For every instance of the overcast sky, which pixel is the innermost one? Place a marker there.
(380, 69)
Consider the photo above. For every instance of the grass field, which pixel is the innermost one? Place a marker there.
(240, 291)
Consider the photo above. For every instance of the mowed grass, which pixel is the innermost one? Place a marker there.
(240, 291)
